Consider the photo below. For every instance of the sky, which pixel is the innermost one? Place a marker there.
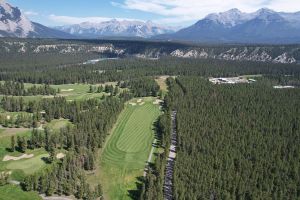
(167, 12)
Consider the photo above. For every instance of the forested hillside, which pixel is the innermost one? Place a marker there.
(146, 49)
(235, 142)
(132, 68)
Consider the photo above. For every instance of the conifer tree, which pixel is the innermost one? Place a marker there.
(13, 144)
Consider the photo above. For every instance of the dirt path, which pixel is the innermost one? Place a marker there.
(12, 131)
(150, 157)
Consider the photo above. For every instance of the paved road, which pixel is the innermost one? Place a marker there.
(168, 184)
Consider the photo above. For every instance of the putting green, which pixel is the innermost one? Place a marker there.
(29, 166)
(127, 150)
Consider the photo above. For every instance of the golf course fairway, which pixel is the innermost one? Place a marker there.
(127, 149)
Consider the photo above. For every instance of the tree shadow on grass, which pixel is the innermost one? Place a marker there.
(157, 134)
(135, 194)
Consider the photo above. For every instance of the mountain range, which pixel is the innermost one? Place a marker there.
(233, 26)
(116, 28)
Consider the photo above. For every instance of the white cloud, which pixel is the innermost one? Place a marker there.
(285, 5)
(31, 13)
(78, 20)
(176, 11)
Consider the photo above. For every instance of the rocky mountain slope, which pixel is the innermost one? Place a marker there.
(153, 50)
(116, 28)
(13, 23)
(234, 26)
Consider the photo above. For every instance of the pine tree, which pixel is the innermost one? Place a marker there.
(52, 155)
(91, 90)
(13, 144)
(23, 144)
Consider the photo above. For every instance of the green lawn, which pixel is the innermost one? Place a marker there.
(73, 92)
(6, 139)
(12, 192)
(28, 166)
(21, 167)
(126, 151)
(57, 124)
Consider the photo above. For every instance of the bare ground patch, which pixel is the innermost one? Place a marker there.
(12, 131)
(67, 90)
(60, 155)
(44, 197)
(157, 102)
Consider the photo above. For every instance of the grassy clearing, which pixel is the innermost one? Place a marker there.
(74, 92)
(7, 132)
(71, 92)
(161, 81)
(12, 192)
(126, 151)
(57, 124)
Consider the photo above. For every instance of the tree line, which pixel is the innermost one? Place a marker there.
(18, 89)
(142, 87)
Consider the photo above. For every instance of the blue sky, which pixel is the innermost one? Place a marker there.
(170, 12)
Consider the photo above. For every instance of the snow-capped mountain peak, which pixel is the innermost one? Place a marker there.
(114, 27)
(262, 26)
(13, 21)
(264, 11)
(229, 18)
(235, 17)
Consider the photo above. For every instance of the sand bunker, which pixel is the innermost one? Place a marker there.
(157, 101)
(8, 158)
(133, 104)
(139, 100)
(67, 90)
(56, 197)
(142, 103)
(6, 173)
(60, 155)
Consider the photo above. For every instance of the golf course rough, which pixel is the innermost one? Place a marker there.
(127, 150)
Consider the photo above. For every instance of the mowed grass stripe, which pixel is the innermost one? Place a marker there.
(127, 150)
(137, 131)
(111, 152)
